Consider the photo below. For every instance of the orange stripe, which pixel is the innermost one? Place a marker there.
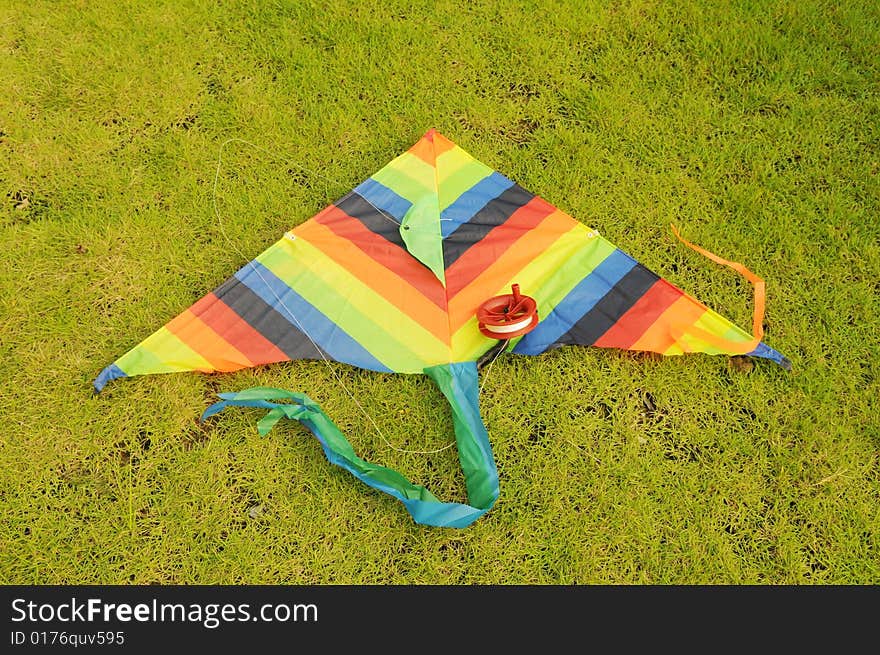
(222, 356)
(424, 150)
(431, 146)
(441, 143)
(393, 288)
(463, 306)
(666, 330)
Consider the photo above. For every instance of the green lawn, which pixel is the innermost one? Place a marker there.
(754, 126)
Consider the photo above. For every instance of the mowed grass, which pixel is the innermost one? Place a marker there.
(753, 126)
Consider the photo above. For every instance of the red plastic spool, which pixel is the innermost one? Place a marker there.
(508, 316)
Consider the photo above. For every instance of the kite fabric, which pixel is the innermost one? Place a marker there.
(390, 278)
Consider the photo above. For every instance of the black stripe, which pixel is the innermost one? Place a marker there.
(266, 320)
(375, 221)
(610, 308)
(496, 212)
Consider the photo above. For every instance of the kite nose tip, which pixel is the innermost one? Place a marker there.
(429, 135)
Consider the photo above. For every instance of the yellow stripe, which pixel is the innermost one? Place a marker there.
(691, 344)
(579, 255)
(450, 161)
(716, 324)
(162, 352)
(388, 334)
(469, 343)
(712, 324)
(391, 286)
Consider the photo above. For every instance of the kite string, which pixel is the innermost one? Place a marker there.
(290, 313)
(489, 368)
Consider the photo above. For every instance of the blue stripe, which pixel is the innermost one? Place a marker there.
(578, 302)
(472, 201)
(112, 372)
(301, 314)
(383, 198)
(765, 351)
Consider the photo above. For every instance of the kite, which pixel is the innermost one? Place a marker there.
(424, 268)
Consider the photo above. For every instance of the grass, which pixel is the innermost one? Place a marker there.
(754, 126)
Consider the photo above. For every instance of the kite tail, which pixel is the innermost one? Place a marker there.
(458, 382)
(756, 347)
(756, 280)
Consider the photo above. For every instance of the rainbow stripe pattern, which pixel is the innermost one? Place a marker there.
(389, 279)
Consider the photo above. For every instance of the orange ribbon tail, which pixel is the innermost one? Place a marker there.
(757, 283)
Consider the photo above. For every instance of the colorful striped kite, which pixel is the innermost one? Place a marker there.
(390, 278)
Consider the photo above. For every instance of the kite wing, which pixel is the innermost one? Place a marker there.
(390, 278)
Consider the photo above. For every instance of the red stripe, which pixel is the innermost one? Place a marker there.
(641, 316)
(217, 315)
(484, 253)
(385, 253)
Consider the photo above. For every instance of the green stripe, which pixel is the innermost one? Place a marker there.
(570, 271)
(455, 181)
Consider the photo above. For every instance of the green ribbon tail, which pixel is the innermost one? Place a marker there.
(459, 383)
